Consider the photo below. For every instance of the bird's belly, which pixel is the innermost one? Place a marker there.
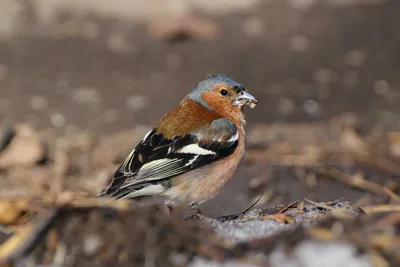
(201, 184)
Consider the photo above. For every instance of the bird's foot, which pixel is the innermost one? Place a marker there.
(168, 207)
(198, 214)
(195, 207)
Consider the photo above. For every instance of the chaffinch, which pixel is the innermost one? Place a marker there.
(193, 150)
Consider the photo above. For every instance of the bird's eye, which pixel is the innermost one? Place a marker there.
(224, 92)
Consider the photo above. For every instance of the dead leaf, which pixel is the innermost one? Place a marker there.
(12, 210)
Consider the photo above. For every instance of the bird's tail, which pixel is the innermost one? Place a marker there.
(121, 193)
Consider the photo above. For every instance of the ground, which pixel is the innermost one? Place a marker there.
(80, 86)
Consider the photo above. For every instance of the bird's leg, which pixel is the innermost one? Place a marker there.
(195, 207)
(170, 206)
(199, 215)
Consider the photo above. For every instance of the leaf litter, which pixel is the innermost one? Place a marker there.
(51, 217)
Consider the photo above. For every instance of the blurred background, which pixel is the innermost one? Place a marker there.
(81, 81)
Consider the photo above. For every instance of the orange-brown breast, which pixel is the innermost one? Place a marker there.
(186, 117)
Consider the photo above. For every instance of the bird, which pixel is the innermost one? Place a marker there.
(192, 151)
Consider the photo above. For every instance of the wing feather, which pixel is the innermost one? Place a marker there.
(157, 158)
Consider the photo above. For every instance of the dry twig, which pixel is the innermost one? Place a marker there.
(381, 208)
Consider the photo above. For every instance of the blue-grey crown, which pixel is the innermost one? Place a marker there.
(209, 83)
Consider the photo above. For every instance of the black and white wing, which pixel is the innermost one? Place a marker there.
(156, 158)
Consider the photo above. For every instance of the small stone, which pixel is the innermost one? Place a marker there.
(38, 103)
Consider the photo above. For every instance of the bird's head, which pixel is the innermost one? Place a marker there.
(225, 96)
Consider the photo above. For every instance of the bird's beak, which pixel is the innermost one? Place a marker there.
(246, 99)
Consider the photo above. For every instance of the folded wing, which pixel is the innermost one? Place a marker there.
(156, 158)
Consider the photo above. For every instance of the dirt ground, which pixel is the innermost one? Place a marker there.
(87, 87)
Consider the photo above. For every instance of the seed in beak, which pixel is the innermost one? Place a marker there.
(246, 99)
